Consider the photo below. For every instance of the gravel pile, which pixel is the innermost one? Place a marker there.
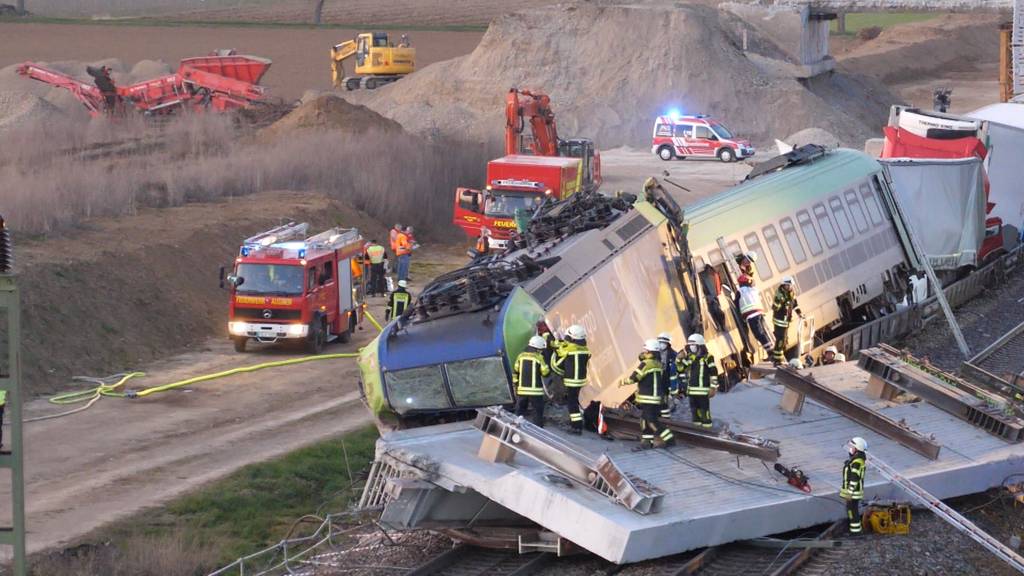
(982, 320)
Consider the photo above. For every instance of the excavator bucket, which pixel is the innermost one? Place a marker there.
(236, 66)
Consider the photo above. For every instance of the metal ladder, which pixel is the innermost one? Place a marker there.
(993, 545)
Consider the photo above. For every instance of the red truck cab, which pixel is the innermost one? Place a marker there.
(514, 182)
(699, 136)
(285, 286)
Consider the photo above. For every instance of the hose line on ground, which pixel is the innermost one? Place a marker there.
(104, 387)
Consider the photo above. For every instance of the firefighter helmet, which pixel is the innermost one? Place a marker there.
(787, 280)
(665, 337)
(795, 364)
(576, 332)
(859, 443)
(652, 345)
(752, 256)
(832, 349)
(538, 342)
(697, 339)
(403, 284)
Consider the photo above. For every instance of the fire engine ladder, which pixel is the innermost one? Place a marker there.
(993, 545)
(289, 231)
(333, 238)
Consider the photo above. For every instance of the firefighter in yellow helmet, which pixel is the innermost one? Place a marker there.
(651, 384)
(852, 489)
(699, 375)
(570, 361)
(528, 377)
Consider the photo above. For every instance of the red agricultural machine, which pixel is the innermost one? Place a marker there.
(220, 81)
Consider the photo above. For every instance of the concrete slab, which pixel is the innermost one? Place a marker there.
(712, 497)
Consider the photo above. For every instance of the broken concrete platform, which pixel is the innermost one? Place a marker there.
(433, 476)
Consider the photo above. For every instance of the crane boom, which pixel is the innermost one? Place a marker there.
(521, 105)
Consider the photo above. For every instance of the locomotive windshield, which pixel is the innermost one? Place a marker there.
(270, 279)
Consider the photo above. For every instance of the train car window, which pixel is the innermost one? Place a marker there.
(753, 243)
(858, 213)
(828, 230)
(839, 211)
(874, 210)
(810, 234)
(715, 257)
(796, 248)
(771, 238)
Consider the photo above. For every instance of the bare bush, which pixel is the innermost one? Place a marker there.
(53, 178)
(869, 32)
(175, 554)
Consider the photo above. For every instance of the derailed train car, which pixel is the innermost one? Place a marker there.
(827, 219)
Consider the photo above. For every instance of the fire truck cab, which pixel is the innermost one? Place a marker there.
(286, 286)
(699, 136)
(515, 182)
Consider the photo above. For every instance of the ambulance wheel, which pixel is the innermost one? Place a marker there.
(317, 337)
(727, 155)
(240, 342)
(666, 153)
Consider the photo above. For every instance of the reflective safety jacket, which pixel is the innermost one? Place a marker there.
(783, 307)
(402, 244)
(571, 359)
(375, 252)
(853, 477)
(750, 302)
(649, 378)
(398, 301)
(699, 373)
(668, 360)
(483, 245)
(528, 373)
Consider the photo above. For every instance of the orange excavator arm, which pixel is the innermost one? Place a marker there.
(522, 106)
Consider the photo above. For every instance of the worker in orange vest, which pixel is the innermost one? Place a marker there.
(403, 250)
(392, 235)
(483, 243)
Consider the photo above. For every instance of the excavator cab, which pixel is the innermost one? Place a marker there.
(584, 149)
(378, 61)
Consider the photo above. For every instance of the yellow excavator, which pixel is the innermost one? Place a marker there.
(378, 61)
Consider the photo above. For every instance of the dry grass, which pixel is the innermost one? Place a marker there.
(177, 553)
(56, 176)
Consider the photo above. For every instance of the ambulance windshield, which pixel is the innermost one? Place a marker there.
(270, 279)
(505, 204)
(722, 131)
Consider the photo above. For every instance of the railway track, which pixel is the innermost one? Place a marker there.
(475, 561)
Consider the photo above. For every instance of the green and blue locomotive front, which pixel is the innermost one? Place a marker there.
(446, 368)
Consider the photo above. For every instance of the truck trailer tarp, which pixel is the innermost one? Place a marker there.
(945, 201)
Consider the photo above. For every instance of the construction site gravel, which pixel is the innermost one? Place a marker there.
(146, 226)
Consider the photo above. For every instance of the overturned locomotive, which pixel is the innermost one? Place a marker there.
(627, 270)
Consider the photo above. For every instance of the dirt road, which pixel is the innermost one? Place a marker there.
(300, 55)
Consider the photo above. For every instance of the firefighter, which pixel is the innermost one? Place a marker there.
(528, 378)
(783, 307)
(753, 315)
(649, 378)
(746, 263)
(403, 250)
(3, 406)
(831, 356)
(375, 254)
(668, 360)
(483, 243)
(700, 376)
(398, 301)
(571, 359)
(853, 481)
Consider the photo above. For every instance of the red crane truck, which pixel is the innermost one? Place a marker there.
(514, 182)
(287, 286)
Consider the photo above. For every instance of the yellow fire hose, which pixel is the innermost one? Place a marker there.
(111, 386)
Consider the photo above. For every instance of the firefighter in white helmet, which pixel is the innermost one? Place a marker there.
(700, 376)
(398, 301)
(831, 355)
(852, 489)
(668, 361)
(570, 361)
(746, 263)
(783, 307)
(528, 377)
(649, 378)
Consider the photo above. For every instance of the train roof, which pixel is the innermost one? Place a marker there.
(757, 200)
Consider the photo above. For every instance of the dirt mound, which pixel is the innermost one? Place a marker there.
(21, 108)
(813, 136)
(921, 49)
(330, 112)
(688, 59)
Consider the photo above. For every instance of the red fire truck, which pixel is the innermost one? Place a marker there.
(287, 286)
(514, 182)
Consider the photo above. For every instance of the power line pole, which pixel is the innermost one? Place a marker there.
(10, 385)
